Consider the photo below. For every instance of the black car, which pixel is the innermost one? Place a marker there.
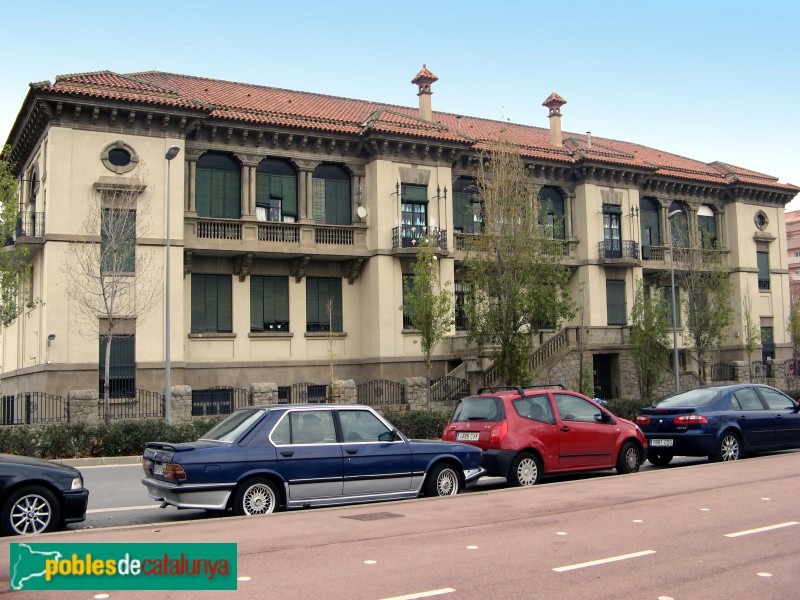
(721, 422)
(37, 496)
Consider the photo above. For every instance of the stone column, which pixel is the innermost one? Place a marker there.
(356, 190)
(83, 406)
(191, 184)
(344, 392)
(569, 200)
(181, 403)
(263, 393)
(416, 392)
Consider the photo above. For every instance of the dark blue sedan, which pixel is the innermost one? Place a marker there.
(721, 422)
(263, 459)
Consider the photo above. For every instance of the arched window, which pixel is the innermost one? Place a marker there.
(651, 227)
(218, 186)
(467, 206)
(551, 211)
(331, 195)
(679, 225)
(707, 224)
(276, 191)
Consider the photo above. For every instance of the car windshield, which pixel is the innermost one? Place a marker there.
(690, 399)
(232, 427)
(481, 408)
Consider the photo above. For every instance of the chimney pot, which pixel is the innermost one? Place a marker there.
(554, 102)
(423, 80)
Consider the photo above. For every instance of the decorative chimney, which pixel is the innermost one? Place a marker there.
(554, 103)
(424, 79)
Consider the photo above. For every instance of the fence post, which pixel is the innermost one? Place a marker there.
(263, 393)
(181, 403)
(83, 406)
(343, 391)
(416, 392)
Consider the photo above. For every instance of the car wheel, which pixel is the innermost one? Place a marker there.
(629, 459)
(526, 470)
(30, 510)
(659, 459)
(729, 449)
(442, 480)
(256, 497)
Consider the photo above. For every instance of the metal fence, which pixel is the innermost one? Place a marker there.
(301, 393)
(220, 400)
(760, 370)
(448, 389)
(141, 405)
(380, 392)
(722, 372)
(29, 408)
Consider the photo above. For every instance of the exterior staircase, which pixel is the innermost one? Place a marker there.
(554, 345)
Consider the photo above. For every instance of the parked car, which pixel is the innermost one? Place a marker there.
(527, 433)
(721, 422)
(263, 459)
(37, 496)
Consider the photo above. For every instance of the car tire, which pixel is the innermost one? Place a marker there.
(526, 470)
(629, 459)
(257, 496)
(442, 480)
(30, 510)
(728, 449)
(659, 459)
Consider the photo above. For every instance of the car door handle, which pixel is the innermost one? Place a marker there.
(742, 418)
(565, 428)
(778, 416)
(287, 453)
(351, 451)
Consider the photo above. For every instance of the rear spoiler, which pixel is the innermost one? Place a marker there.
(168, 446)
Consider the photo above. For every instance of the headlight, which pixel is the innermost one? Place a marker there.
(77, 483)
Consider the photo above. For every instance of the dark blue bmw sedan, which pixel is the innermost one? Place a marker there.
(721, 422)
(263, 459)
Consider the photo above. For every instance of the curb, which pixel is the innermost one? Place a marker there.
(100, 461)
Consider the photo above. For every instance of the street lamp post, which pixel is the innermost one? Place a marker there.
(674, 306)
(171, 153)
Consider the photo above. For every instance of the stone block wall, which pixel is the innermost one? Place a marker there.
(263, 393)
(416, 391)
(181, 403)
(83, 407)
(344, 392)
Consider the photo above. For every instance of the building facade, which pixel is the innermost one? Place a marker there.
(294, 217)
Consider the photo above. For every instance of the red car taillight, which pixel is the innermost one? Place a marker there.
(642, 420)
(499, 431)
(691, 420)
(175, 472)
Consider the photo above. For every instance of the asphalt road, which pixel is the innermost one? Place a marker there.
(710, 531)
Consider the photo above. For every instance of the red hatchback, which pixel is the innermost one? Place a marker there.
(527, 433)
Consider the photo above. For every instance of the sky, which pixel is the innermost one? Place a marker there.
(707, 79)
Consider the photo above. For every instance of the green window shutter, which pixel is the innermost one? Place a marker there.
(202, 193)
(318, 200)
(199, 323)
(217, 194)
(224, 304)
(281, 298)
(337, 202)
(232, 199)
(335, 293)
(289, 195)
(312, 302)
(256, 303)
(263, 188)
(414, 193)
(269, 299)
(462, 212)
(615, 302)
(128, 243)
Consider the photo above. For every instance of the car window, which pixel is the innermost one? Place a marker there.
(362, 426)
(312, 427)
(748, 399)
(282, 434)
(479, 408)
(696, 398)
(536, 408)
(776, 400)
(234, 425)
(572, 408)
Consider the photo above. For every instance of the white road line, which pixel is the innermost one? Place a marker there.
(120, 508)
(603, 561)
(762, 529)
(422, 594)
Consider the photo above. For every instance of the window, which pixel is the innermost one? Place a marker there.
(615, 302)
(461, 306)
(218, 189)
(776, 400)
(572, 408)
(306, 427)
(323, 304)
(767, 343)
(707, 225)
(363, 426)
(679, 226)
(269, 303)
(611, 231)
(211, 304)
(650, 224)
(551, 212)
(276, 191)
(122, 366)
(331, 195)
(118, 241)
(408, 285)
(747, 399)
(797, 254)
(119, 157)
(467, 207)
(414, 209)
(668, 297)
(762, 259)
(536, 408)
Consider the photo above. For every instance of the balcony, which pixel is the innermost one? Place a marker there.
(29, 232)
(409, 236)
(466, 242)
(622, 252)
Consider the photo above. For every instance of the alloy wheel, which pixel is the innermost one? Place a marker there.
(30, 514)
(259, 499)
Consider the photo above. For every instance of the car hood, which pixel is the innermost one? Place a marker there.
(27, 461)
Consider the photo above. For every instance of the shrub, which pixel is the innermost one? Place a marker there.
(627, 409)
(420, 424)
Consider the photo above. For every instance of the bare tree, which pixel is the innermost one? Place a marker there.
(752, 330)
(111, 279)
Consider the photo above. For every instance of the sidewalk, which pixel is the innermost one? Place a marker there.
(99, 461)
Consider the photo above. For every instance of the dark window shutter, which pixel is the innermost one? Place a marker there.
(232, 199)
(615, 302)
(199, 322)
(335, 292)
(289, 195)
(312, 302)
(263, 189)
(202, 194)
(224, 304)
(462, 212)
(256, 303)
(281, 298)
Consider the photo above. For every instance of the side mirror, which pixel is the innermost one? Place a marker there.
(602, 417)
(388, 436)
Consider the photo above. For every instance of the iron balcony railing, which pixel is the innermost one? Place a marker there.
(620, 249)
(409, 236)
(30, 224)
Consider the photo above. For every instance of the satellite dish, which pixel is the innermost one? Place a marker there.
(361, 212)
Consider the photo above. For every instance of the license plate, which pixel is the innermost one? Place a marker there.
(158, 469)
(469, 436)
(661, 443)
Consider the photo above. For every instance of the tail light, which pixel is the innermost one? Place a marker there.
(499, 431)
(449, 432)
(642, 420)
(691, 420)
(174, 472)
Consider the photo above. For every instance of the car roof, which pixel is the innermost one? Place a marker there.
(306, 406)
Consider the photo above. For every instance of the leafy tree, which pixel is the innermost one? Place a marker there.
(513, 269)
(585, 376)
(111, 280)
(752, 331)
(428, 306)
(649, 342)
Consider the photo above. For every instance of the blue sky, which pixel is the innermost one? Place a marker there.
(708, 79)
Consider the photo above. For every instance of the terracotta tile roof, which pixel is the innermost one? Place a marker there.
(424, 76)
(555, 100)
(257, 104)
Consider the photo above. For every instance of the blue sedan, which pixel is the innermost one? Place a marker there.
(721, 422)
(263, 459)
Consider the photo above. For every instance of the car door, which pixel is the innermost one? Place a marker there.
(755, 421)
(309, 454)
(374, 461)
(583, 441)
(786, 419)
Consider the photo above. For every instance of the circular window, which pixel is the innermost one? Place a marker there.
(119, 157)
(761, 220)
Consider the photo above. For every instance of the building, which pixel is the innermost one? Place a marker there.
(294, 217)
(793, 251)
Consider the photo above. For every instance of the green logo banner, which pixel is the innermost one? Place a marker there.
(43, 566)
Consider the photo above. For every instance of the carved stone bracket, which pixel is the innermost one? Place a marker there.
(243, 264)
(187, 262)
(299, 267)
(354, 269)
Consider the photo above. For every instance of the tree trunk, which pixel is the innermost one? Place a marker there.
(107, 380)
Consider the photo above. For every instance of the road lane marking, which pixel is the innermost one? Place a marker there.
(764, 574)
(119, 508)
(762, 529)
(603, 561)
(422, 594)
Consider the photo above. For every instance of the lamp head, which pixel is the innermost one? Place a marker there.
(172, 152)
